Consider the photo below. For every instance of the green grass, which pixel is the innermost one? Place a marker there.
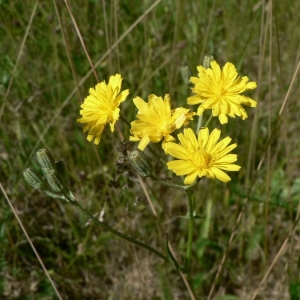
(37, 111)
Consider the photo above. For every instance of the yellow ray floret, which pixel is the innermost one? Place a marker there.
(102, 107)
(220, 91)
(156, 120)
(202, 156)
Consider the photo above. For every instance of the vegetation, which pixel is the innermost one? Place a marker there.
(246, 239)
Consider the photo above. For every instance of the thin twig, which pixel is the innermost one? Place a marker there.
(188, 286)
(81, 40)
(116, 32)
(13, 73)
(147, 195)
(276, 258)
(183, 276)
(268, 162)
(67, 50)
(208, 26)
(106, 32)
(30, 243)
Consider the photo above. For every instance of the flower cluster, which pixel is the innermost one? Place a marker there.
(195, 156)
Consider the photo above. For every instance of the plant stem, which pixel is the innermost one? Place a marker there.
(190, 196)
(208, 121)
(174, 185)
(116, 232)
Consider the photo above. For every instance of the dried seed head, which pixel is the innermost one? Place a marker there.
(45, 160)
(33, 179)
(140, 162)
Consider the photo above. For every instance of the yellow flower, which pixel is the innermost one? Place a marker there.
(204, 156)
(157, 121)
(221, 91)
(102, 107)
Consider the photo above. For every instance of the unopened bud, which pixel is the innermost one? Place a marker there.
(207, 60)
(33, 179)
(55, 181)
(45, 160)
(186, 74)
(140, 161)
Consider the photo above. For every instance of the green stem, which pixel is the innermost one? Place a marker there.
(190, 196)
(174, 185)
(208, 121)
(116, 232)
(199, 123)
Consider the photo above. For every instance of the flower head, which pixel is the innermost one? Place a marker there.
(220, 90)
(157, 121)
(102, 107)
(204, 156)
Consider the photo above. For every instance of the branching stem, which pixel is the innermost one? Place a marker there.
(118, 233)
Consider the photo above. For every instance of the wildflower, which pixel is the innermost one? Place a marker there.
(102, 107)
(204, 156)
(157, 121)
(221, 91)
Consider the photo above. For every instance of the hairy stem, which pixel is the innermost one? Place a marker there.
(118, 233)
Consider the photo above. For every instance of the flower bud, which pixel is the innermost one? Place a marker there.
(207, 60)
(55, 181)
(33, 179)
(140, 161)
(186, 74)
(45, 160)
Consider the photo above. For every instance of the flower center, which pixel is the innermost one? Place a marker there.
(166, 128)
(220, 92)
(202, 159)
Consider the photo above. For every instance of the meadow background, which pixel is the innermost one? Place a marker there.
(45, 75)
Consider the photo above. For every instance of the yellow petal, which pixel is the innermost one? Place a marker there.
(177, 151)
(190, 178)
(181, 167)
(144, 143)
(222, 176)
(203, 137)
